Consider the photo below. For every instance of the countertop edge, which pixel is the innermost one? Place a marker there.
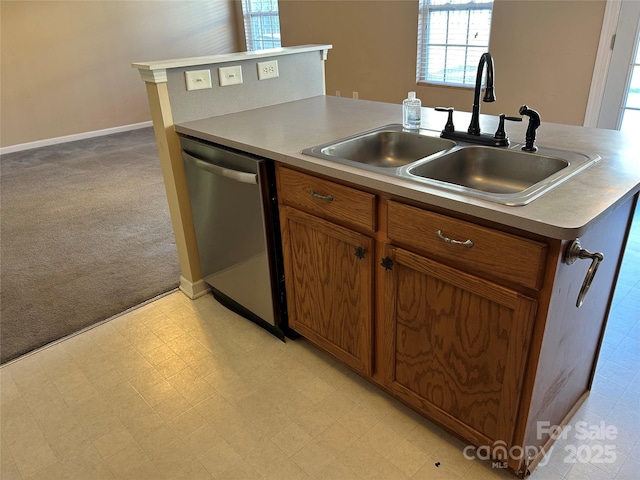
(227, 57)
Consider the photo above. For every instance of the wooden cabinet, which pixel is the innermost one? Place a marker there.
(332, 201)
(491, 254)
(456, 340)
(474, 327)
(329, 280)
(329, 267)
(455, 345)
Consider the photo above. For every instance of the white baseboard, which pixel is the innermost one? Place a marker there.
(193, 290)
(72, 138)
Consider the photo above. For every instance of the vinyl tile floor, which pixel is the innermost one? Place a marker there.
(181, 389)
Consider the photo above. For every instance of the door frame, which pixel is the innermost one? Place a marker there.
(603, 60)
(621, 20)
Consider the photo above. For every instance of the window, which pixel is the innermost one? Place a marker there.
(452, 35)
(631, 107)
(261, 24)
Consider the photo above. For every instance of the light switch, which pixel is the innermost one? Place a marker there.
(197, 79)
(268, 70)
(230, 75)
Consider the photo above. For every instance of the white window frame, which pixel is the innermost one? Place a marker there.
(251, 37)
(630, 124)
(471, 61)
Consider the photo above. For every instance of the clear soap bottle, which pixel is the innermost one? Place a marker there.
(411, 111)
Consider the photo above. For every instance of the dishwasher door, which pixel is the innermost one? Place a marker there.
(234, 231)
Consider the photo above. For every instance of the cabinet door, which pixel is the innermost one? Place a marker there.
(329, 281)
(455, 345)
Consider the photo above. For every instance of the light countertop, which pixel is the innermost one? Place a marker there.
(281, 132)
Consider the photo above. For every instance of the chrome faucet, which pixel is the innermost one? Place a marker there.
(489, 92)
(473, 133)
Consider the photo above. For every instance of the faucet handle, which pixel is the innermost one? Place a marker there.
(449, 127)
(500, 133)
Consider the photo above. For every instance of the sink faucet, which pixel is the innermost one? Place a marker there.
(489, 92)
(473, 133)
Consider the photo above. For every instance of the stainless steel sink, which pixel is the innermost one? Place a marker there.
(503, 175)
(509, 176)
(385, 147)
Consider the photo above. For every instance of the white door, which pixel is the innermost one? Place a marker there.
(620, 108)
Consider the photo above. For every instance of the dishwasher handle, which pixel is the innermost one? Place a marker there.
(238, 176)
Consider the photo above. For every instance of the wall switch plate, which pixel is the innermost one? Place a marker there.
(268, 70)
(230, 75)
(197, 79)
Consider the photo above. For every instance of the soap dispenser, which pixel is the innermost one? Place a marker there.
(411, 112)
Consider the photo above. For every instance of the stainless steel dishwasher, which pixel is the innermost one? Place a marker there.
(235, 215)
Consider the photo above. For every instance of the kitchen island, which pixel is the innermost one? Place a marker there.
(489, 341)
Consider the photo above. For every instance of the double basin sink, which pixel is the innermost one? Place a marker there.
(508, 176)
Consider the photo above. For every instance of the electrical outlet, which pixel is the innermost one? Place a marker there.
(355, 95)
(268, 70)
(197, 79)
(230, 75)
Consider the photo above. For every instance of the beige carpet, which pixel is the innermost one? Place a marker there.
(85, 234)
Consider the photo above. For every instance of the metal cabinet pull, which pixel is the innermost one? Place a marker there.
(328, 198)
(466, 243)
(574, 252)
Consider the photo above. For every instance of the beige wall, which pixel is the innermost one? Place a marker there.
(66, 65)
(544, 52)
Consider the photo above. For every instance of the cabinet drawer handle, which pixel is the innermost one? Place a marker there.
(328, 198)
(466, 243)
(574, 252)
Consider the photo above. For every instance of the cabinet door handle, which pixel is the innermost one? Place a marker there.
(208, 166)
(466, 243)
(328, 198)
(574, 252)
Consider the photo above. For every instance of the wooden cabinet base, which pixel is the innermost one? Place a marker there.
(487, 353)
(456, 346)
(329, 272)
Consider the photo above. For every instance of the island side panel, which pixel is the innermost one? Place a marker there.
(573, 335)
(169, 152)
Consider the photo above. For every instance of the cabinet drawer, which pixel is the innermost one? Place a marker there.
(494, 254)
(326, 199)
